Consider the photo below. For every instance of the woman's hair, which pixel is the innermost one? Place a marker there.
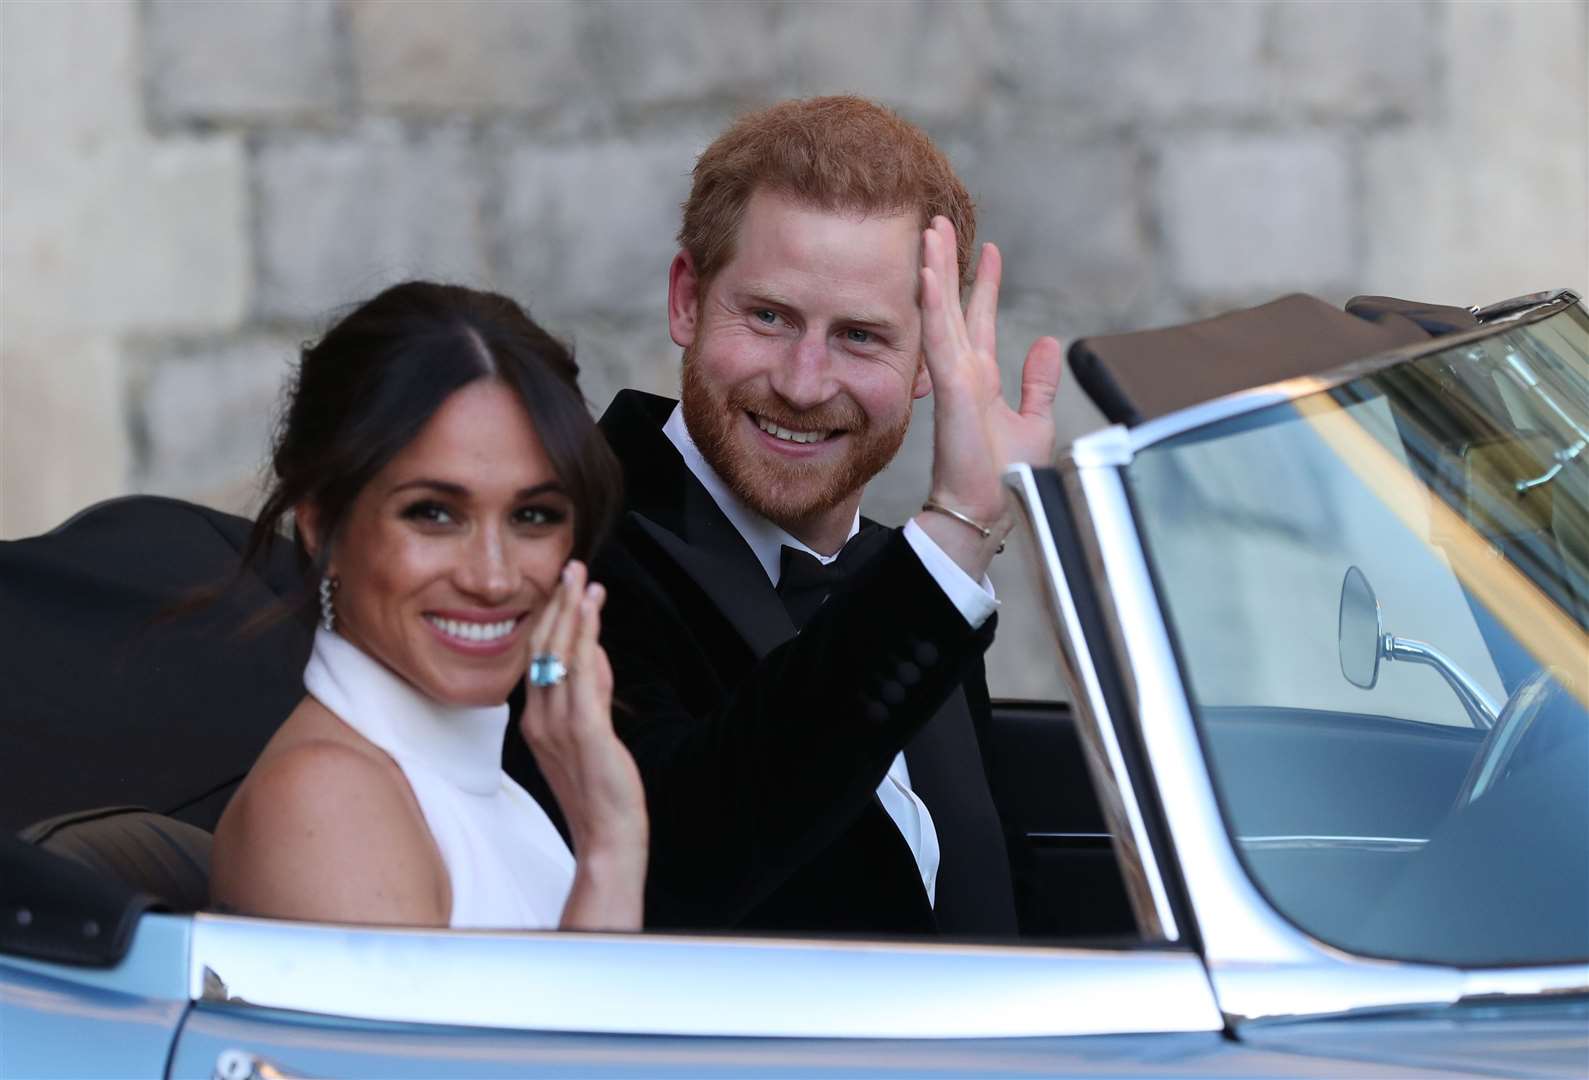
(367, 388)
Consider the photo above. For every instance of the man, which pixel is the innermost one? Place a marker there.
(815, 296)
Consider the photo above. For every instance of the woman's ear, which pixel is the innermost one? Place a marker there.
(306, 522)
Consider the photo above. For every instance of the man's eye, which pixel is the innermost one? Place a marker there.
(765, 317)
(858, 337)
(431, 513)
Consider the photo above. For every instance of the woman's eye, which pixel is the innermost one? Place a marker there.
(539, 515)
(431, 513)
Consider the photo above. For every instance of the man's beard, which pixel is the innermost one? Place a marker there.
(786, 492)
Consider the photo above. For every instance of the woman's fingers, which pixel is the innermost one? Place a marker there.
(543, 704)
(591, 694)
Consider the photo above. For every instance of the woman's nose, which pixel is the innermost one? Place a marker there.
(487, 572)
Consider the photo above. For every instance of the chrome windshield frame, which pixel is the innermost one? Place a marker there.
(1262, 965)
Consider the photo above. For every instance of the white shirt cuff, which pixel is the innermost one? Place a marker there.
(974, 601)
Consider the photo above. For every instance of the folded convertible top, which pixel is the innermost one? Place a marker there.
(1138, 376)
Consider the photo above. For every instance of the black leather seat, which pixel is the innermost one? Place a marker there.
(165, 858)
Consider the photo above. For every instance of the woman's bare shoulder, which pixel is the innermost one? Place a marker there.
(325, 828)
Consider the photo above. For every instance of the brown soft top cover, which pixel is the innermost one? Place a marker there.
(1136, 377)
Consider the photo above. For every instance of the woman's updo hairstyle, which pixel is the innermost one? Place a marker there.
(369, 386)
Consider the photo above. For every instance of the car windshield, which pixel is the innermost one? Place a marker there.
(1378, 592)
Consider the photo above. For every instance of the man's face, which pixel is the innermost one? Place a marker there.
(802, 355)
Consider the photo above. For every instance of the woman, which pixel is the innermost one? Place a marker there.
(441, 469)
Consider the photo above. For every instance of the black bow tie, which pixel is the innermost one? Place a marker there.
(805, 582)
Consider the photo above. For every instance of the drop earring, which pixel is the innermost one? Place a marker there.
(328, 613)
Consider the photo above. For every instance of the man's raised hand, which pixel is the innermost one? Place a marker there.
(975, 432)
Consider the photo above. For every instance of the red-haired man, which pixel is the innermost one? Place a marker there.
(825, 778)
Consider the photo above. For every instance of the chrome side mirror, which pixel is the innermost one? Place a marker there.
(1360, 631)
(1362, 643)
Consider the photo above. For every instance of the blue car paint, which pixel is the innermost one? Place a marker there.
(80, 1022)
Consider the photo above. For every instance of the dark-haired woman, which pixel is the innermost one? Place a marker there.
(446, 482)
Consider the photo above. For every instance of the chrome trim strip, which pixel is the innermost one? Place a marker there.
(1068, 835)
(1106, 443)
(1304, 842)
(1528, 982)
(1262, 966)
(1519, 306)
(634, 984)
(1139, 866)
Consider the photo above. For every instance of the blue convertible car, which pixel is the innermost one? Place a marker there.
(1321, 807)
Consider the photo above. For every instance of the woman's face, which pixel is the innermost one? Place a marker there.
(449, 553)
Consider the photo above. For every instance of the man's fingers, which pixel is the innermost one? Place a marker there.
(947, 263)
(983, 308)
(1040, 377)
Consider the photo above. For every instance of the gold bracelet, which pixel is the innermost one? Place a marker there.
(958, 516)
(963, 519)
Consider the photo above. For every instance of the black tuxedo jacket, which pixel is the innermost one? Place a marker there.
(761, 750)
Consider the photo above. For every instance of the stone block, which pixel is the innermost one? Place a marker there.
(1491, 203)
(648, 53)
(1112, 63)
(1446, 225)
(1354, 60)
(221, 60)
(1252, 216)
(69, 77)
(939, 59)
(468, 54)
(131, 236)
(63, 440)
(1517, 72)
(1069, 220)
(203, 414)
(620, 353)
(104, 230)
(339, 218)
(590, 226)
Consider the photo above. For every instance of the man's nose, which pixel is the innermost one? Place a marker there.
(487, 573)
(803, 379)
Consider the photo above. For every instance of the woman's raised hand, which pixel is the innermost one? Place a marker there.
(568, 727)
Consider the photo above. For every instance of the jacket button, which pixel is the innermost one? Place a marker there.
(876, 713)
(926, 654)
(891, 692)
(908, 674)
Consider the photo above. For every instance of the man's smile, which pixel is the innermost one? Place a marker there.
(784, 434)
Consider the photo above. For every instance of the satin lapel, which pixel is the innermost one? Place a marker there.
(670, 506)
(734, 582)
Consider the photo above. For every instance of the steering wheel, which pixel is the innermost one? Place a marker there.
(1511, 725)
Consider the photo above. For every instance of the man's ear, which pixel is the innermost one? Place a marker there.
(684, 299)
(923, 384)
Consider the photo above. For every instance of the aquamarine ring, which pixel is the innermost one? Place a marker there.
(546, 669)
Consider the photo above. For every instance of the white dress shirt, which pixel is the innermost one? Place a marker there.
(973, 600)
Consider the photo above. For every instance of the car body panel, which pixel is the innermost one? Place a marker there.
(1217, 979)
(294, 1047)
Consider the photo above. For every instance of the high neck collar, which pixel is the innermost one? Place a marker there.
(461, 743)
(767, 539)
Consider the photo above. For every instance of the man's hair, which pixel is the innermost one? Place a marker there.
(834, 153)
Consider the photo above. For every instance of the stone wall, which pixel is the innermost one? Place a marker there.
(190, 188)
